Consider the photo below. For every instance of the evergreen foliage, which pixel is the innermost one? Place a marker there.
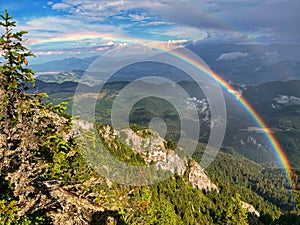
(37, 152)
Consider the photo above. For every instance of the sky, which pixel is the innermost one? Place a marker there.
(80, 28)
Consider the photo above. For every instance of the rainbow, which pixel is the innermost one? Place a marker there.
(276, 148)
(79, 37)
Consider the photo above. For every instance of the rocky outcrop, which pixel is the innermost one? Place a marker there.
(251, 209)
(199, 179)
(152, 149)
(85, 125)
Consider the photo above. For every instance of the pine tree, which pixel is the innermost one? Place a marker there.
(13, 74)
(43, 177)
(26, 126)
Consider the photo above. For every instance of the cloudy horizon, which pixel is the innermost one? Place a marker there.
(64, 28)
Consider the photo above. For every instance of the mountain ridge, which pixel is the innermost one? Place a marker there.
(240, 64)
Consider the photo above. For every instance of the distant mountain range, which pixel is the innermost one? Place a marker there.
(277, 102)
(251, 64)
(65, 65)
(269, 92)
(238, 64)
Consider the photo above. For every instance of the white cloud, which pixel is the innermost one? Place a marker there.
(102, 49)
(49, 53)
(217, 36)
(60, 6)
(251, 17)
(110, 43)
(64, 36)
(231, 56)
(120, 17)
(167, 45)
(87, 9)
(156, 23)
(182, 32)
(71, 30)
(55, 29)
(135, 17)
(117, 3)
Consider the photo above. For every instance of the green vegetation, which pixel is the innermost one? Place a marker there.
(33, 146)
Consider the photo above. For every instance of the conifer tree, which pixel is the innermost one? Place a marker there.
(13, 74)
(38, 155)
(26, 126)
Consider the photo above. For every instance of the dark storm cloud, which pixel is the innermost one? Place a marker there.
(277, 20)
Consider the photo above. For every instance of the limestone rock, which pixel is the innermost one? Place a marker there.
(199, 179)
(251, 209)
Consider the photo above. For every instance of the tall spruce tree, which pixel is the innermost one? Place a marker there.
(26, 126)
(43, 177)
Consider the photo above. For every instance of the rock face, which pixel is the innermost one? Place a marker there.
(152, 149)
(85, 125)
(251, 209)
(199, 179)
